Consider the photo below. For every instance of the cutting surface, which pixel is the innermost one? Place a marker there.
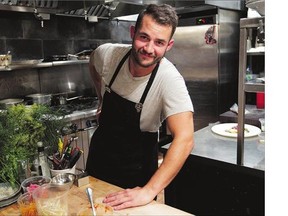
(78, 200)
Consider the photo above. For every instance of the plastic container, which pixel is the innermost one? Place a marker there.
(27, 205)
(260, 100)
(29, 184)
(51, 201)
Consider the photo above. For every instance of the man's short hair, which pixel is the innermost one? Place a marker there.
(163, 14)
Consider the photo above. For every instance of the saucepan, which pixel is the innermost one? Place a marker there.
(39, 98)
(5, 103)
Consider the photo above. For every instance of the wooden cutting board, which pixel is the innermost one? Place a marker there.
(153, 209)
(77, 200)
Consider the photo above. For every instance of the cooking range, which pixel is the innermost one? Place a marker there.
(78, 103)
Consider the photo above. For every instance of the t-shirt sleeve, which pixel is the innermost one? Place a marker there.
(106, 58)
(100, 55)
(176, 98)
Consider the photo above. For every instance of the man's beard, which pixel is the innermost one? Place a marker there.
(139, 62)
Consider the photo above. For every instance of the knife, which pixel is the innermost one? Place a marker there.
(90, 198)
(74, 158)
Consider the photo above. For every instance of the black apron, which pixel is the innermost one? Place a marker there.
(120, 153)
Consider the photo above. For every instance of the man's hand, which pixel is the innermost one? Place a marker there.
(128, 198)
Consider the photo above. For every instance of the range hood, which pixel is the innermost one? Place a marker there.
(92, 10)
(121, 9)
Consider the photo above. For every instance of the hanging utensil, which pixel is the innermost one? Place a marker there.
(89, 193)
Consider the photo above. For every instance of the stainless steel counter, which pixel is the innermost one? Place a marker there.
(212, 146)
(82, 114)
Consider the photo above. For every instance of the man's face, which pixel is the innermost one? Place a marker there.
(150, 42)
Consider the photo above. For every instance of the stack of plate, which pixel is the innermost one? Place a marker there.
(258, 5)
(8, 194)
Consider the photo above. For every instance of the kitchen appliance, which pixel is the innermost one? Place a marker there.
(205, 52)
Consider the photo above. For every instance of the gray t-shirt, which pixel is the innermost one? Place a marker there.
(167, 96)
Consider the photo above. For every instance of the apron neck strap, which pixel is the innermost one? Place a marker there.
(118, 68)
(149, 84)
(139, 105)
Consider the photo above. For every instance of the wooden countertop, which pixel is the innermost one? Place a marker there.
(78, 199)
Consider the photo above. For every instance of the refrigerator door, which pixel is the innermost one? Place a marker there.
(195, 54)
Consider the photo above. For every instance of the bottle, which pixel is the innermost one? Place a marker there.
(249, 40)
(43, 163)
(248, 74)
(260, 34)
(248, 44)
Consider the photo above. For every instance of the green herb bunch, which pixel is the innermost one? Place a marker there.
(21, 127)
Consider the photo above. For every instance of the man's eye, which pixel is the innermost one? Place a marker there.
(160, 43)
(143, 37)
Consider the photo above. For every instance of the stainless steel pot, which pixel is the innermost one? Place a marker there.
(40, 98)
(5, 103)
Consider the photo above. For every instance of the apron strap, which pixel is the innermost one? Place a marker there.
(118, 69)
(139, 105)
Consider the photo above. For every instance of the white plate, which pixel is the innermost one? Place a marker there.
(221, 129)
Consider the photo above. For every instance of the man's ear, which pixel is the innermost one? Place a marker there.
(132, 31)
(170, 44)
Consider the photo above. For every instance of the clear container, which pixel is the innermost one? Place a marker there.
(29, 184)
(50, 200)
(27, 205)
(262, 134)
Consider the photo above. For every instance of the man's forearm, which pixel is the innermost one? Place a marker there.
(172, 163)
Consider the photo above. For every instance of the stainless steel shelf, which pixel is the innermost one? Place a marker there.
(70, 62)
(254, 87)
(251, 22)
(37, 64)
(255, 53)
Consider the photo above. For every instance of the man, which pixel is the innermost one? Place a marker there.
(142, 90)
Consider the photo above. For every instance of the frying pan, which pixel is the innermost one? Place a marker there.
(56, 58)
(81, 55)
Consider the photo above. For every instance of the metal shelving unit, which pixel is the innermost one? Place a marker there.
(243, 87)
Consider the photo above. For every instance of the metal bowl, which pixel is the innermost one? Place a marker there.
(63, 180)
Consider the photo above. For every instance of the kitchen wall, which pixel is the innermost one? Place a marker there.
(22, 34)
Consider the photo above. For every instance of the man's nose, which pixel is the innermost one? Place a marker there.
(149, 47)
